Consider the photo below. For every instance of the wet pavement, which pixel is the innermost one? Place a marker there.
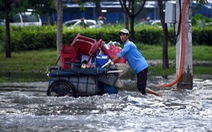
(24, 107)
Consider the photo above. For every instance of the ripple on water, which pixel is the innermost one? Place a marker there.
(188, 110)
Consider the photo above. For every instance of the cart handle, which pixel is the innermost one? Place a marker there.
(115, 71)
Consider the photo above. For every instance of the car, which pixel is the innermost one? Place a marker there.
(156, 23)
(26, 19)
(79, 23)
(2, 22)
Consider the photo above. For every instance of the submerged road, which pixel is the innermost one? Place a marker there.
(24, 107)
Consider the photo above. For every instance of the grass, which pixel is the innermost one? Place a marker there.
(36, 62)
(201, 53)
(28, 61)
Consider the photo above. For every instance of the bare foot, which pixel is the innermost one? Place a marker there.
(159, 94)
(150, 91)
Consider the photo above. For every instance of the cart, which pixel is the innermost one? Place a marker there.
(81, 82)
(79, 75)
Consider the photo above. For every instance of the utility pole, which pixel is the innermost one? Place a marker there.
(186, 80)
(179, 13)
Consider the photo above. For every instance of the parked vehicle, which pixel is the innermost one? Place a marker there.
(26, 19)
(156, 23)
(2, 22)
(80, 23)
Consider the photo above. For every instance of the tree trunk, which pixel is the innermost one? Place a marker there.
(7, 41)
(165, 36)
(47, 19)
(132, 20)
(126, 21)
(132, 36)
(130, 12)
(98, 8)
(59, 8)
(165, 48)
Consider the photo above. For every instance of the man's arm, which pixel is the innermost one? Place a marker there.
(115, 58)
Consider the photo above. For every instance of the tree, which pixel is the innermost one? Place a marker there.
(131, 13)
(42, 7)
(59, 9)
(165, 57)
(10, 7)
(98, 8)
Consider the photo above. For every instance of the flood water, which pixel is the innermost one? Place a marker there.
(24, 107)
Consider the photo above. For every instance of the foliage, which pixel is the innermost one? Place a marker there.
(29, 38)
(148, 35)
(202, 36)
(42, 7)
(132, 9)
(201, 21)
(35, 38)
(15, 6)
(201, 2)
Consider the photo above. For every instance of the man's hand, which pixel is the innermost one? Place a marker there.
(107, 64)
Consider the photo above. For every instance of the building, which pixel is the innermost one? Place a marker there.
(113, 12)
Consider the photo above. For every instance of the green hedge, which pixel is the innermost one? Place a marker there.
(30, 38)
(202, 36)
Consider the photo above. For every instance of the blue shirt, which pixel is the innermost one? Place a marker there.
(135, 59)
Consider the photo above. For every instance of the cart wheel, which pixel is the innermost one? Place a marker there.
(61, 88)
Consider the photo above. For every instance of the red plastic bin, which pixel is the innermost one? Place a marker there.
(68, 55)
(112, 52)
(84, 38)
(85, 45)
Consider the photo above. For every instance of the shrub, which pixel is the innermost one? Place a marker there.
(30, 38)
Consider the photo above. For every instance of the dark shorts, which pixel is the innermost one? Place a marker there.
(142, 80)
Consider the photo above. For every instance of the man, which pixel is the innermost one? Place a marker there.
(136, 61)
(148, 20)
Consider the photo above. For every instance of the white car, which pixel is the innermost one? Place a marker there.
(2, 22)
(26, 19)
(158, 23)
(78, 22)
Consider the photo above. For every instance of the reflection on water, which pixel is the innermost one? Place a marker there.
(25, 107)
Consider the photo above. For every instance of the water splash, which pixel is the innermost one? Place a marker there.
(27, 108)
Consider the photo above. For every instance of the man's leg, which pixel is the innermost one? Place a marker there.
(141, 83)
(141, 80)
